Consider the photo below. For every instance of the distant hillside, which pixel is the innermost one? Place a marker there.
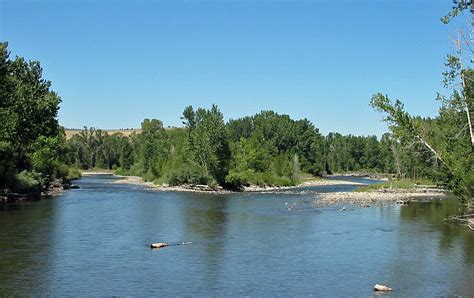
(124, 131)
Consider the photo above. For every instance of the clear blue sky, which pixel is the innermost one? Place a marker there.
(115, 63)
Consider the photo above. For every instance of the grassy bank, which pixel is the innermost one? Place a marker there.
(398, 184)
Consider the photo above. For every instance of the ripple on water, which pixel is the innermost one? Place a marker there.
(95, 241)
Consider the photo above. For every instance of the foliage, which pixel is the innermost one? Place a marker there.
(445, 143)
(28, 182)
(398, 184)
(264, 149)
(189, 174)
(207, 146)
(32, 144)
(458, 7)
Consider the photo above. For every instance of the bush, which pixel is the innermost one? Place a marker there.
(61, 171)
(28, 182)
(66, 173)
(8, 168)
(237, 178)
(469, 184)
(73, 174)
(149, 176)
(122, 172)
(249, 176)
(187, 174)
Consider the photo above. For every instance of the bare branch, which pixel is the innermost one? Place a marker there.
(461, 131)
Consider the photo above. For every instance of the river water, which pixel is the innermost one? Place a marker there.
(95, 241)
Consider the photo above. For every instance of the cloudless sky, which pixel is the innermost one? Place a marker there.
(115, 63)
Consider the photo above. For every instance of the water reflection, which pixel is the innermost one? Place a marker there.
(435, 214)
(26, 246)
(207, 217)
(94, 241)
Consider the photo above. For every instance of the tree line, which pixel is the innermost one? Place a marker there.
(264, 149)
(32, 144)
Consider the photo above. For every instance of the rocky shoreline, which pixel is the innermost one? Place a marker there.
(54, 189)
(134, 180)
(380, 197)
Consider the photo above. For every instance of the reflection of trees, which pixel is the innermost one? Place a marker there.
(208, 218)
(434, 213)
(26, 240)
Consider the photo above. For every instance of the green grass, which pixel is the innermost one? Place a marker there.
(399, 184)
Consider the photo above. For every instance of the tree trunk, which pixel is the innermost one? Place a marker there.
(397, 160)
(435, 153)
(468, 107)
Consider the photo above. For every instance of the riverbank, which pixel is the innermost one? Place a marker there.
(97, 172)
(54, 189)
(135, 180)
(380, 197)
(366, 175)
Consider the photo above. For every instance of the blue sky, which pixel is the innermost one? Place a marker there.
(115, 63)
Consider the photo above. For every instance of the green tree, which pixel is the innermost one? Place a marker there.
(32, 143)
(208, 145)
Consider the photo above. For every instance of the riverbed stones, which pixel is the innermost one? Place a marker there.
(382, 288)
(403, 202)
(377, 197)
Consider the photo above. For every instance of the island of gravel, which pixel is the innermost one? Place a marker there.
(357, 199)
(135, 180)
(380, 197)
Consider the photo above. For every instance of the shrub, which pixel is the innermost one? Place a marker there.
(8, 169)
(187, 174)
(61, 171)
(237, 178)
(28, 182)
(149, 176)
(73, 174)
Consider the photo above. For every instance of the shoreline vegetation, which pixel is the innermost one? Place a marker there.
(203, 188)
(135, 180)
(33, 148)
(54, 189)
(364, 196)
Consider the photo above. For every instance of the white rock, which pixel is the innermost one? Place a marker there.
(383, 288)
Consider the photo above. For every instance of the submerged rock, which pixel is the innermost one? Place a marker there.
(382, 288)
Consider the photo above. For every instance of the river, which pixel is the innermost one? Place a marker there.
(95, 241)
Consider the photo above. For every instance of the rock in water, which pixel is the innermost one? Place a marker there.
(382, 288)
(159, 245)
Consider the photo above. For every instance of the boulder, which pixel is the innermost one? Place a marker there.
(382, 288)
(159, 245)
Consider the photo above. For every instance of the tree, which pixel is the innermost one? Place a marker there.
(208, 145)
(32, 143)
(449, 137)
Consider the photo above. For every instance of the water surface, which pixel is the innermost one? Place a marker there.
(94, 241)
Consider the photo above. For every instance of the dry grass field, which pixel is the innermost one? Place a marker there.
(124, 132)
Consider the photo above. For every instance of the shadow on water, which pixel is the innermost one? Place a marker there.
(435, 213)
(207, 218)
(26, 241)
(438, 256)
